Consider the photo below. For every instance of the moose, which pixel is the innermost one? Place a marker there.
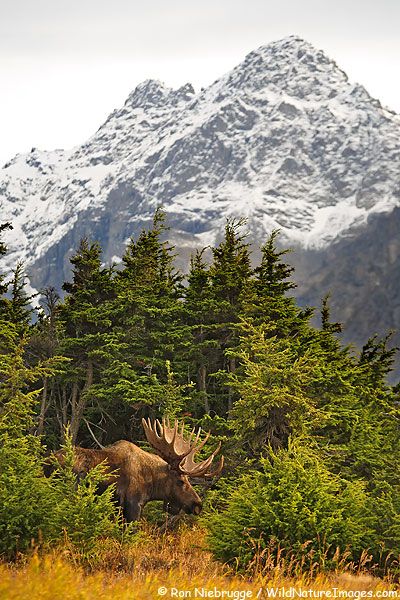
(140, 476)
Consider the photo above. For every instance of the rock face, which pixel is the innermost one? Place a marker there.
(284, 139)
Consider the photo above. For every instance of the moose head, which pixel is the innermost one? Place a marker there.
(179, 453)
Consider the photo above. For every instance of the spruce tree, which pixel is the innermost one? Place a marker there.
(203, 350)
(4, 304)
(20, 309)
(326, 323)
(230, 277)
(148, 318)
(149, 289)
(35, 508)
(273, 390)
(44, 344)
(268, 300)
(89, 339)
(376, 358)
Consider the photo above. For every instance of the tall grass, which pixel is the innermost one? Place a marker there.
(138, 569)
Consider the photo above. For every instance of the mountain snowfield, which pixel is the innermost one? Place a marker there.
(284, 139)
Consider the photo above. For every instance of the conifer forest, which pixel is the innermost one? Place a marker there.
(308, 427)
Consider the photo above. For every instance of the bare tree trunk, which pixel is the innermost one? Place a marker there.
(232, 369)
(74, 423)
(43, 408)
(61, 411)
(202, 383)
(64, 412)
(79, 402)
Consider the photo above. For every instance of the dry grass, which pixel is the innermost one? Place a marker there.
(174, 560)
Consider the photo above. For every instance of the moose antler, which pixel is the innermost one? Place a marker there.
(176, 451)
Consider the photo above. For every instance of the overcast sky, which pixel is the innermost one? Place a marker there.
(65, 65)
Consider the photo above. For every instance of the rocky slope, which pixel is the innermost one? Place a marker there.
(284, 139)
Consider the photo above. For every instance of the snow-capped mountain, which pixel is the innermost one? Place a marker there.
(284, 139)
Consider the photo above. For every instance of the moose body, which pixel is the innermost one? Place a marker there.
(140, 476)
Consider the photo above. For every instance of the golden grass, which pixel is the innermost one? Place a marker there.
(176, 562)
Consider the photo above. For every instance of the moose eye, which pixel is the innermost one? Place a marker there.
(181, 483)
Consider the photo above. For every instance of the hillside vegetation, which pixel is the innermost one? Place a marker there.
(309, 427)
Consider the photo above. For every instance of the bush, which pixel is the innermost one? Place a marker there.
(34, 508)
(295, 503)
(26, 499)
(79, 512)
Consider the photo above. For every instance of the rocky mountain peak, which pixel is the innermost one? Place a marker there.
(284, 139)
(148, 93)
(185, 92)
(288, 66)
(153, 94)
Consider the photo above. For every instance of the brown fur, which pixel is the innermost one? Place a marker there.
(139, 477)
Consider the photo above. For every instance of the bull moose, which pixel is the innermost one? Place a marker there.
(140, 476)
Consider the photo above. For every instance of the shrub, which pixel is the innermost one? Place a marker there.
(26, 499)
(79, 512)
(296, 504)
(34, 508)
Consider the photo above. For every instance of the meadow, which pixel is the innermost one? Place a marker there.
(175, 564)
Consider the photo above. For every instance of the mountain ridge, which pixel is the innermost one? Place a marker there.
(283, 139)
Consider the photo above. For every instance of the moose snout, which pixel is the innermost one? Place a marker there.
(196, 508)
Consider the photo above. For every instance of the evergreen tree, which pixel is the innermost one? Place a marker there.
(149, 292)
(230, 277)
(230, 271)
(20, 309)
(376, 359)
(32, 506)
(149, 289)
(293, 508)
(268, 301)
(133, 341)
(326, 323)
(203, 351)
(89, 339)
(273, 389)
(4, 305)
(44, 344)
(25, 501)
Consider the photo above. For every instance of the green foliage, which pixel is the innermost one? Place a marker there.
(385, 505)
(295, 501)
(230, 271)
(267, 302)
(37, 509)
(25, 498)
(87, 338)
(231, 352)
(214, 300)
(20, 310)
(173, 401)
(33, 507)
(326, 323)
(17, 403)
(79, 511)
(149, 289)
(272, 385)
(4, 301)
(376, 359)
